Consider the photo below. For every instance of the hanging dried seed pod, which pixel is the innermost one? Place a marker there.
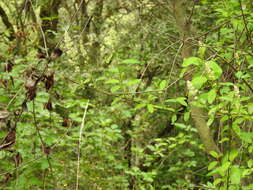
(30, 86)
(41, 55)
(8, 66)
(57, 52)
(17, 159)
(46, 149)
(48, 105)
(65, 122)
(49, 82)
(31, 93)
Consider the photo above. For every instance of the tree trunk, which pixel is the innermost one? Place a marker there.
(94, 50)
(49, 15)
(197, 114)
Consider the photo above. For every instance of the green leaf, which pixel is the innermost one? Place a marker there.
(131, 61)
(211, 96)
(212, 165)
(224, 168)
(182, 101)
(250, 61)
(250, 163)
(35, 181)
(233, 154)
(44, 164)
(214, 154)
(186, 116)
(239, 74)
(183, 71)
(213, 70)
(198, 81)
(112, 81)
(250, 108)
(131, 82)
(163, 84)
(50, 18)
(217, 181)
(246, 136)
(164, 108)
(140, 106)
(173, 118)
(210, 121)
(150, 108)
(215, 171)
(180, 125)
(115, 88)
(235, 175)
(202, 51)
(236, 128)
(192, 61)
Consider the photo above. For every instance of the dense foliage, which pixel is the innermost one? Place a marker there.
(126, 94)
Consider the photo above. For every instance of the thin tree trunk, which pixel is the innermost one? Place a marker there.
(197, 114)
(49, 15)
(94, 50)
(128, 151)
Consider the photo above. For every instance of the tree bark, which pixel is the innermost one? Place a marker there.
(197, 114)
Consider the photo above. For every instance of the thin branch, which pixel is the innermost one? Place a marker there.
(246, 25)
(79, 145)
(42, 33)
(40, 137)
(13, 98)
(174, 61)
(7, 23)
(234, 69)
(150, 91)
(71, 23)
(192, 11)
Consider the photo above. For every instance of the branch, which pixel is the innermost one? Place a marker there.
(7, 23)
(79, 145)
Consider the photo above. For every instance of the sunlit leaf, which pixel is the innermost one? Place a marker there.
(211, 96)
(199, 81)
(235, 175)
(213, 70)
(192, 61)
(233, 154)
(150, 108)
(131, 61)
(212, 165)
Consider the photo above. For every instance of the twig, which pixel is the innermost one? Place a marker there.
(42, 32)
(79, 146)
(71, 23)
(174, 61)
(13, 98)
(149, 91)
(41, 139)
(246, 25)
(192, 11)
